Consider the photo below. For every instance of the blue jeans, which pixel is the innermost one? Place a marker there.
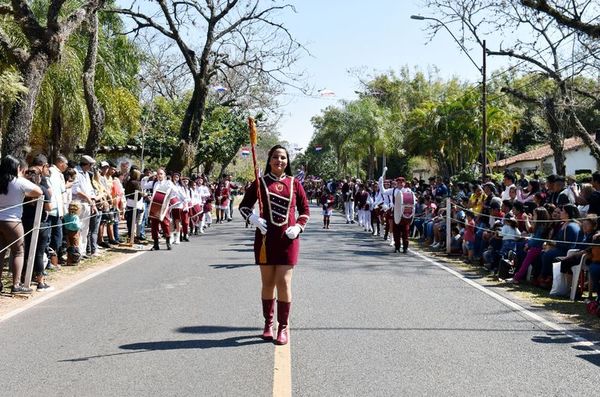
(92, 242)
(548, 258)
(142, 229)
(56, 233)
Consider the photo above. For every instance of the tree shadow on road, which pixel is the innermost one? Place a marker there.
(143, 347)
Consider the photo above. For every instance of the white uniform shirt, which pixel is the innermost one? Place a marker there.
(59, 191)
(82, 184)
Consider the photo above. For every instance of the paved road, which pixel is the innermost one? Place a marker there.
(364, 322)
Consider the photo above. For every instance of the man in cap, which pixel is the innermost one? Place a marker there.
(404, 201)
(84, 193)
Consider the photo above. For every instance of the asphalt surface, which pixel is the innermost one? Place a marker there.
(364, 322)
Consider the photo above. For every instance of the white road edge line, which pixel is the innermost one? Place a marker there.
(580, 341)
(52, 294)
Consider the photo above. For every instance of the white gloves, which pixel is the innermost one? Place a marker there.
(385, 207)
(293, 231)
(259, 222)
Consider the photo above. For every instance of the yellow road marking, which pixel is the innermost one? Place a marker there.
(282, 371)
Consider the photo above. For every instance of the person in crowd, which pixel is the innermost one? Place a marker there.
(58, 189)
(102, 182)
(594, 200)
(594, 270)
(540, 228)
(72, 225)
(119, 201)
(14, 188)
(185, 212)
(147, 196)
(276, 244)
(508, 182)
(38, 173)
(469, 236)
(564, 239)
(582, 197)
(133, 185)
(85, 195)
(100, 219)
(528, 193)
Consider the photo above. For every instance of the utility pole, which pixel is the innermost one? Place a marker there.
(484, 112)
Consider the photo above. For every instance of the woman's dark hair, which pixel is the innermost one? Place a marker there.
(572, 211)
(535, 186)
(9, 170)
(288, 168)
(542, 221)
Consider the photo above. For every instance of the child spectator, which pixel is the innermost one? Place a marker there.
(469, 236)
(72, 225)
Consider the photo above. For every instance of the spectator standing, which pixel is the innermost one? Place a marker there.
(85, 195)
(508, 182)
(59, 192)
(13, 189)
(133, 184)
(38, 173)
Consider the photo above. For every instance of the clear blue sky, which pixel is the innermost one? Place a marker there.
(377, 35)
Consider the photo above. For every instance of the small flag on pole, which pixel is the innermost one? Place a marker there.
(300, 176)
(245, 152)
(318, 148)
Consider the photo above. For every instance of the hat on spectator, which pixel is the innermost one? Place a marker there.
(85, 159)
(104, 164)
(112, 164)
(559, 178)
(551, 178)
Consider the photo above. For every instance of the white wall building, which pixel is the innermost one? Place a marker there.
(577, 158)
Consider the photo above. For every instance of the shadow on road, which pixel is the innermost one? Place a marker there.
(232, 265)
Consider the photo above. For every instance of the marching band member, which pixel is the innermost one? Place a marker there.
(206, 199)
(404, 201)
(276, 244)
(367, 211)
(377, 210)
(160, 183)
(178, 200)
(185, 212)
(327, 201)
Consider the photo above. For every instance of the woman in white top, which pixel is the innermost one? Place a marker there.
(13, 189)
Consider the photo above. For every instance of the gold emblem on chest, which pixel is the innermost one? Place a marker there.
(279, 187)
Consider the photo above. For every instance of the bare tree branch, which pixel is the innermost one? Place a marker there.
(574, 22)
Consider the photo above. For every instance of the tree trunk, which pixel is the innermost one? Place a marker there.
(95, 110)
(584, 134)
(208, 167)
(189, 133)
(56, 130)
(556, 138)
(16, 142)
(371, 165)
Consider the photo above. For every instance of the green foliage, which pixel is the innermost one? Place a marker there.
(11, 85)
(223, 134)
(322, 163)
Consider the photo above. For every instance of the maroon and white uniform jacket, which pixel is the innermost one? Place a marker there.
(284, 204)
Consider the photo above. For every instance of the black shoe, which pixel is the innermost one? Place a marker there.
(20, 290)
(1, 286)
(104, 244)
(44, 287)
(404, 250)
(347, 222)
(155, 247)
(169, 244)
